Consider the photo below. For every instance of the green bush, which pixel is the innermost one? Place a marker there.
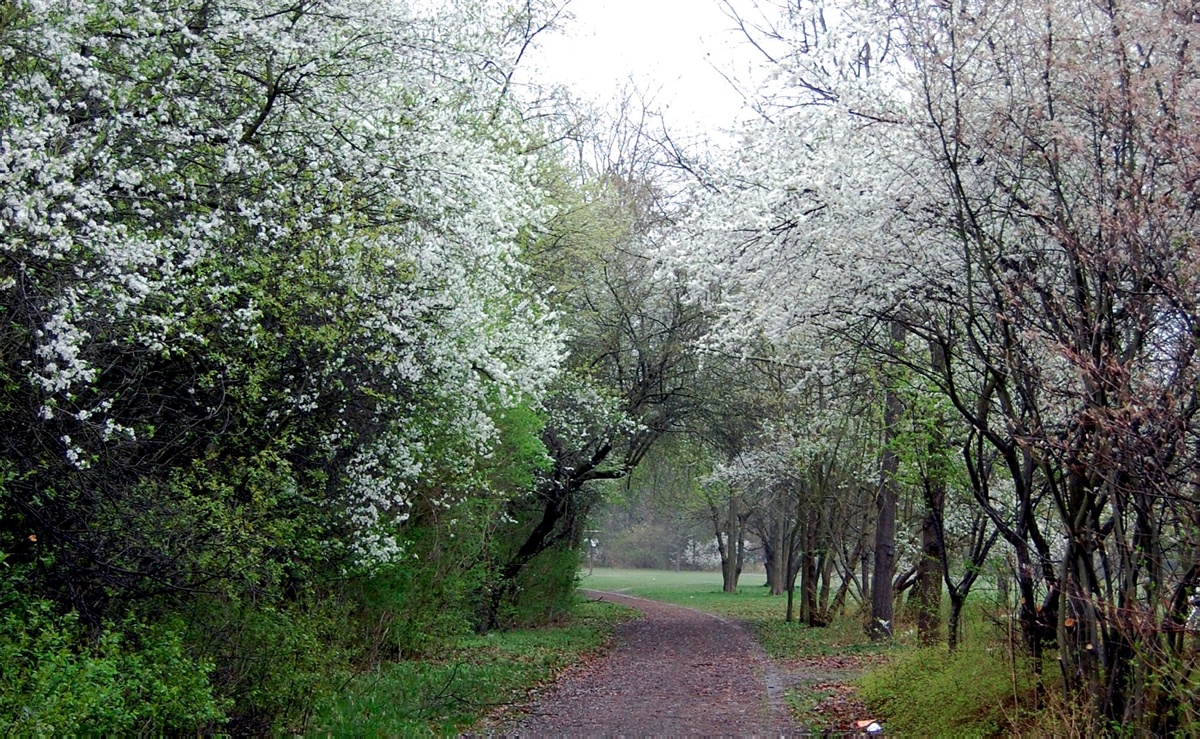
(136, 679)
(273, 659)
(934, 692)
(409, 608)
(545, 589)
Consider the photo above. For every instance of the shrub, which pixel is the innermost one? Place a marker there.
(410, 608)
(135, 679)
(545, 589)
(274, 659)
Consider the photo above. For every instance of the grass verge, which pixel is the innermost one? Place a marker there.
(473, 677)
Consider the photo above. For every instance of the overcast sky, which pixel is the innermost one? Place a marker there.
(668, 47)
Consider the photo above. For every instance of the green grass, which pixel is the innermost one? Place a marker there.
(474, 676)
(700, 590)
(610, 578)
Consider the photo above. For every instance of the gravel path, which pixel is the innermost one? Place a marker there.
(676, 671)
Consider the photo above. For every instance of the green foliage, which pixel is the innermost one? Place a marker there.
(974, 691)
(649, 544)
(452, 692)
(545, 589)
(657, 517)
(273, 659)
(272, 393)
(519, 452)
(57, 679)
(411, 608)
(920, 441)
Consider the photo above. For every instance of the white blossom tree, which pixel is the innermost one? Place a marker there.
(1012, 186)
(262, 280)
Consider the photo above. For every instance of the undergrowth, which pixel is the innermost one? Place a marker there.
(56, 679)
(973, 691)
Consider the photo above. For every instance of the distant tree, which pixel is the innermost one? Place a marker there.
(632, 362)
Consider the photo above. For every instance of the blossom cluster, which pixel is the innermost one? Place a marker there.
(305, 216)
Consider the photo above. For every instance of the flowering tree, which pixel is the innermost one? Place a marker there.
(1012, 186)
(1073, 204)
(632, 367)
(811, 458)
(260, 280)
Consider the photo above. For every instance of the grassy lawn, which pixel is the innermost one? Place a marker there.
(452, 692)
(700, 590)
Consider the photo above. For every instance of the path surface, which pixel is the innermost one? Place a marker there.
(676, 671)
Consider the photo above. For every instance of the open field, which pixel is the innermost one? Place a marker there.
(752, 602)
(672, 586)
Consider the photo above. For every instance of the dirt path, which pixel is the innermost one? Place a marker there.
(676, 671)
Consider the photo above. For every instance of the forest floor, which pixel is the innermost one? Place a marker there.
(679, 670)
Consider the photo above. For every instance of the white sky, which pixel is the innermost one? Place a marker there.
(667, 47)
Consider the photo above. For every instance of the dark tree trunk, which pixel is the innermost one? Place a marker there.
(927, 593)
(952, 624)
(779, 566)
(732, 546)
(926, 596)
(809, 571)
(769, 556)
(882, 595)
(793, 570)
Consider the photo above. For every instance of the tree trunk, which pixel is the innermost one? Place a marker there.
(866, 557)
(885, 505)
(770, 556)
(780, 563)
(927, 593)
(809, 572)
(952, 624)
(741, 553)
(825, 568)
(734, 548)
(793, 570)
